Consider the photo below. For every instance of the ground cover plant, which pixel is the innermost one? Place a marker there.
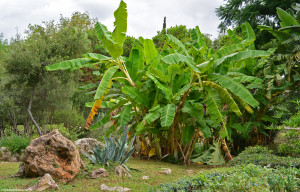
(241, 178)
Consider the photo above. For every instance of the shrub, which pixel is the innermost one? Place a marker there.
(15, 143)
(241, 178)
(263, 156)
(68, 133)
(69, 118)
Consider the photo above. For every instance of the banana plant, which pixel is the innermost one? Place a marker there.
(113, 43)
(170, 98)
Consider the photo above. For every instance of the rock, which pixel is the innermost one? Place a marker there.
(21, 171)
(190, 171)
(145, 177)
(99, 173)
(5, 155)
(166, 171)
(121, 171)
(3, 149)
(104, 187)
(46, 182)
(86, 145)
(54, 154)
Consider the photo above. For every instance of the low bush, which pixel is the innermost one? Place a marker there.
(15, 143)
(263, 156)
(241, 178)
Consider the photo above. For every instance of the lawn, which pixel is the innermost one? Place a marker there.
(149, 168)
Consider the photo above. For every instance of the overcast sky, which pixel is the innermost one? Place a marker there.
(145, 17)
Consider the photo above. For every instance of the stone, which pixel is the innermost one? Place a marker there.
(54, 154)
(21, 171)
(166, 171)
(46, 182)
(121, 171)
(190, 171)
(86, 145)
(104, 187)
(145, 177)
(99, 173)
(5, 155)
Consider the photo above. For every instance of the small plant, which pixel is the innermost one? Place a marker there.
(15, 143)
(116, 151)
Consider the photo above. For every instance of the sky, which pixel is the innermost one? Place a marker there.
(145, 17)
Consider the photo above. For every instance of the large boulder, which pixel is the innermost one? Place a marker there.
(54, 154)
(86, 145)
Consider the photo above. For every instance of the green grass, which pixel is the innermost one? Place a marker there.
(150, 168)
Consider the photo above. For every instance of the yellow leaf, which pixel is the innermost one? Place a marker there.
(94, 111)
(152, 153)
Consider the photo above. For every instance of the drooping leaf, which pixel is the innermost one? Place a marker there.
(225, 96)
(119, 33)
(213, 103)
(104, 81)
(113, 48)
(178, 43)
(166, 90)
(69, 64)
(236, 88)
(94, 111)
(106, 118)
(176, 58)
(167, 115)
(136, 95)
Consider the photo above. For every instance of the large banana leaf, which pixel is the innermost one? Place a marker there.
(248, 34)
(176, 58)
(70, 64)
(150, 53)
(233, 36)
(213, 103)
(136, 96)
(178, 43)
(239, 56)
(104, 81)
(113, 48)
(224, 95)
(236, 88)
(166, 90)
(132, 63)
(119, 33)
(167, 115)
(152, 116)
(228, 50)
(286, 18)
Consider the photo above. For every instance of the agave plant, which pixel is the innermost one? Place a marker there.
(115, 150)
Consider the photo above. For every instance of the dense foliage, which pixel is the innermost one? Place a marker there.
(184, 91)
(15, 143)
(241, 178)
(264, 157)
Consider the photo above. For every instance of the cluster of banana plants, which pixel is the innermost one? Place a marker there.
(169, 99)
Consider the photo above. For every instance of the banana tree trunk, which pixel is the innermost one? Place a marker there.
(226, 150)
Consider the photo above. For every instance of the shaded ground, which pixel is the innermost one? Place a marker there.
(84, 183)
